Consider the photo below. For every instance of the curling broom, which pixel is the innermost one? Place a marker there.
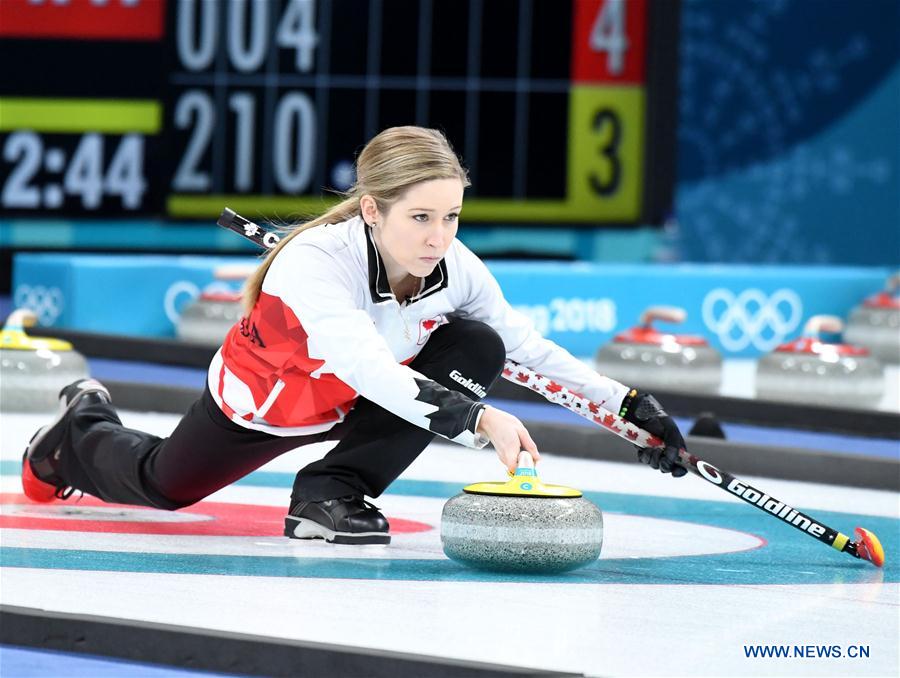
(866, 547)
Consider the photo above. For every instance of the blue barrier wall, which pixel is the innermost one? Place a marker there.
(742, 310)
(113, 294)
(788, 141)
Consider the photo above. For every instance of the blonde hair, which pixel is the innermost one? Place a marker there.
(391, 163)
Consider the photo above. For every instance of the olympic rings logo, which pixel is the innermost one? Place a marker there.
(182, 292)
(752, 317)
(46, 302)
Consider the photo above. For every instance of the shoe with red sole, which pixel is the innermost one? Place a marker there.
(40, 480)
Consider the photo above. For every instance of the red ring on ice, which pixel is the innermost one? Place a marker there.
(204, 518)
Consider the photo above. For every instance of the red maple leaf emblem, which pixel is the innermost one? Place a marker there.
(593, 408)
(522, 377)
(506, 371)
(553, 387)
(609, 420)
(632, 435)
(427, 325)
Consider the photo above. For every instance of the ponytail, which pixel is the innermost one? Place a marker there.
(347, 208)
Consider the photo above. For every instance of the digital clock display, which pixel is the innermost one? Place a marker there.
(176, 108)
(58, 172)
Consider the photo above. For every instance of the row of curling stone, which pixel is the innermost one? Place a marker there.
(209, 317)
(875, 324)
(33, 370)
(661, 360)
(522, 525)
(814, 370)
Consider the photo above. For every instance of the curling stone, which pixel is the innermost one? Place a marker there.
(33, 370)
(209, 317)
(645, 357)
(876, 323)
(522, 525)
(811, 370)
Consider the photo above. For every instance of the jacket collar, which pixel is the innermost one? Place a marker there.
(380, 287)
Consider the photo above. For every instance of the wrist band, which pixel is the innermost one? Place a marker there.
(626, 402)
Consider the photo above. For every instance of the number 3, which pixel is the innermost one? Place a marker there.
(608, 151)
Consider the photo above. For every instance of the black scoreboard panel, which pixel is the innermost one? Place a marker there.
(81, 113)
(558, 107)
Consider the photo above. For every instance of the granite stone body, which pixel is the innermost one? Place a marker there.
(30, 380)
(696, 369)
(878, 329)
(208, 319)
(536, 535)
(848, 381)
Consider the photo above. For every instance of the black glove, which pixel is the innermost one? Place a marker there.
(644, 411)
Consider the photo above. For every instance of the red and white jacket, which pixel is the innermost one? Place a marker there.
(327, 329)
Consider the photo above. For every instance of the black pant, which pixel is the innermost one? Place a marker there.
(207, 451)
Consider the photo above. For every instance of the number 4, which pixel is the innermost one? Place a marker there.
(608, 34)
(297, 29)
(84, 176)
(125, 176)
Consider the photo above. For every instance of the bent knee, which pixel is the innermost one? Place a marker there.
(486, 346)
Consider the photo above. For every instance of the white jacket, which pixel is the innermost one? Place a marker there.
(327, 328)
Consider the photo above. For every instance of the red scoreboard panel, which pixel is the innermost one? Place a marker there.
(563, 110)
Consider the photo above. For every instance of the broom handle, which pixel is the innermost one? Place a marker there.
(575, 402)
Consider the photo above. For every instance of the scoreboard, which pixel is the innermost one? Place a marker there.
(562, 110)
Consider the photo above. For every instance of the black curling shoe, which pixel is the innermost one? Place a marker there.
(347, 520)
(40, 480)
